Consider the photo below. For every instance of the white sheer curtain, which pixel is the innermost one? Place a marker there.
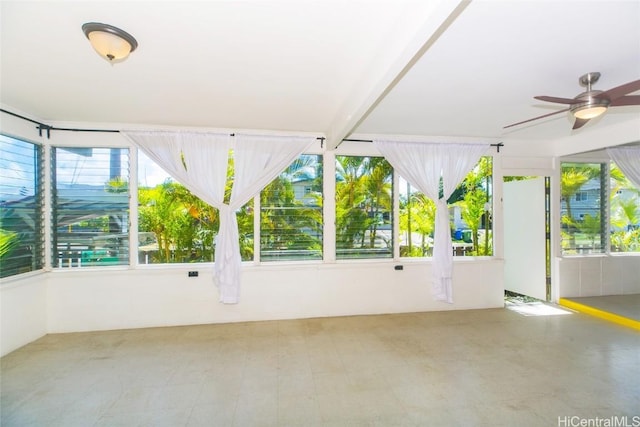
(258, 160)
(628, 160)
(199, 161)
(423, 165)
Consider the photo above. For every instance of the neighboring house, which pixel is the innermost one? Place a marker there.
(303, 191)
(584, 202)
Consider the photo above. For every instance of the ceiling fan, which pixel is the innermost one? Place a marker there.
(592, 103)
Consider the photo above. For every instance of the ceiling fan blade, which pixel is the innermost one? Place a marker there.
(579, 123)
(536, 118)
(559, 100)
(622, 90)
(626, 100)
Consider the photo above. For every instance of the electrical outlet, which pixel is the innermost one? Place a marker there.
(193, 274)
(398, 267)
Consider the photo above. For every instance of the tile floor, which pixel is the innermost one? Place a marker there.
(623, 305)
(463, 368)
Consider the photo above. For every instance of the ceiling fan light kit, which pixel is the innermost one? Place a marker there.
(591, 103)
(589, 111)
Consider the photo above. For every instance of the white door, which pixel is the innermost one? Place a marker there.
(525, 237)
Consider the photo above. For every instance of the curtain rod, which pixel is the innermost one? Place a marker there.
(44, 127)
(498, 145)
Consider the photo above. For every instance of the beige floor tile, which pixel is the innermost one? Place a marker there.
(300, 410)
(478, 367)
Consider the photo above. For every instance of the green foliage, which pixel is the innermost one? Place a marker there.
(625, 213)
(572, 178)
(117, 185)
(183, 225)
(591, 226)
(287, 223)
(417, 216)
(8, 242)
(589, 231)
(626, 241)
(474, 202)
(363, 198)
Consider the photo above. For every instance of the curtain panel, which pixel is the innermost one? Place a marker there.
(424, 166)
(628, 160)
(198, 160)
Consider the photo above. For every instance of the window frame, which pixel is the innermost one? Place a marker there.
(604, 208)
(328, 160)
(392, 212)
(38, 260)
(307, 190)
(51, 235)
(486, 219)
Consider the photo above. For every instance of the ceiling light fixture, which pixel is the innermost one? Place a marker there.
(112, 43)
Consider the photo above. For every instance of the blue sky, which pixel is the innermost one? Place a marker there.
(16, 169)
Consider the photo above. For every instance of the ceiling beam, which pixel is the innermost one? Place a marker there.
(389, 68)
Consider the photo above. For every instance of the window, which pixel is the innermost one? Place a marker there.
(175, 226)
(90, 206)
(582, 196)
(21, 234)
(417, 221)
(582, 227)
(624, 213)
(291, 213)
(469, 210)
(363, 207)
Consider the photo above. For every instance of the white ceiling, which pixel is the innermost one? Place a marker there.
(337, 68)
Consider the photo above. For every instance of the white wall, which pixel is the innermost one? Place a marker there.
(101, 299)
(22, 298)
(116, 299)
(23, 311)
(599, 137)
(599, 275)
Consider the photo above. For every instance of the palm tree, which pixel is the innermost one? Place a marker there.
(158, 209)
(351, 219)
(418, 214)
(289, 223)
(377, 185)
(591, 226)
(625, 212)
(472, 213)
(625, 216)
(363, 198)
(572, 178)
(474, 201)
(8, 242)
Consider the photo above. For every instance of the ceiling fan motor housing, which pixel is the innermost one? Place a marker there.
(590, 97)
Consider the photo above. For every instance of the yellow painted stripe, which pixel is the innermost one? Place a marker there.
(615, 318)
